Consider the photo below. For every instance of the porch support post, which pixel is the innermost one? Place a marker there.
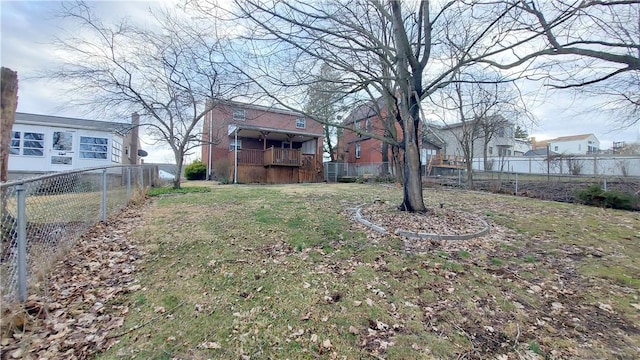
(264, 142)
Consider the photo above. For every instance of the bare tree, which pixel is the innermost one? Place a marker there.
(485, 108)
(9, 103)
(172, 74)
(325, 104)
(399, 50)
(9, 94)
(591, 46)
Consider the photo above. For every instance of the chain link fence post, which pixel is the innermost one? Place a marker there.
(141, 173)
(104, 195)
(22, 243)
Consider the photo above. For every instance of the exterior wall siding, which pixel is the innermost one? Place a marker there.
(42, 164)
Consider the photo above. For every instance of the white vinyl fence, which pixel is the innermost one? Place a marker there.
(591, 165)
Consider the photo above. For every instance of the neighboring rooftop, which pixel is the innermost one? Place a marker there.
(76, 123)
(365, 111)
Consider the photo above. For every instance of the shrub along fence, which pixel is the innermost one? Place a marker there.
(42, 217)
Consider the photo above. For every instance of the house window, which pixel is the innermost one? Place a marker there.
(490, 150)
(33, 144)
(93, 147)
(15, 143)
(358, 151)
(116, 151)
(301, 123)
(501, 132)
(238, 114)
(233, 145)
(61, 160)
(62, 140)
(309, 147)
(357, 124)
(27, 143)
(368, 125)
(555, 148)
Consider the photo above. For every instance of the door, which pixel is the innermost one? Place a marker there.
(62, 145)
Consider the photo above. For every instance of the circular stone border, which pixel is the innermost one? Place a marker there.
(419, 235)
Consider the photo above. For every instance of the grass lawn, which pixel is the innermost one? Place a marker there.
(281, 272)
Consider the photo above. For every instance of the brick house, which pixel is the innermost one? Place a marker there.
(358, 148)
(271, 145)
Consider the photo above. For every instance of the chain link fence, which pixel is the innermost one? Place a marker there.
(42, 217)
(334, 171)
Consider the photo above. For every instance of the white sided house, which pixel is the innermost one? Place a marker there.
(43, 144)
(585, 144)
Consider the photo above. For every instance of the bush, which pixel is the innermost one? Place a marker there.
(222, 168)
(197, 170)
(595, 196)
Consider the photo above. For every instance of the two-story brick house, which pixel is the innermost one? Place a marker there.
(258, 144)
(355, 145)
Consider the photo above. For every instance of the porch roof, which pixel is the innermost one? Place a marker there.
(250, 131)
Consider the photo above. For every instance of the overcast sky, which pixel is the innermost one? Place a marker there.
(28, 27)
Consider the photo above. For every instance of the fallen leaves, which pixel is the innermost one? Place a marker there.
(72, 320)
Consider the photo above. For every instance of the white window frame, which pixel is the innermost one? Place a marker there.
(16, 137)
(94, 149)
(367, 124)
(301, 123)
(358, 151)
(357, 124)
(239, 114)
(116, 151)
(232, 145)
(21, 141)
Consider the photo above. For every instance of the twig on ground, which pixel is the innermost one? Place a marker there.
(146, 322)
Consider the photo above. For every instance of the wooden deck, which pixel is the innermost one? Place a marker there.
(270, 157)
(275, 166)
(445, 162)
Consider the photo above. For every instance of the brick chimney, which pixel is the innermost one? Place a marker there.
(133, 146)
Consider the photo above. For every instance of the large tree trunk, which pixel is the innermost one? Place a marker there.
(9, 83)
(485, 155)
(9, 94)
(410, 85)
(398, 169)
(179, 162)
(413, 200)
(469, 166)
(385, 159)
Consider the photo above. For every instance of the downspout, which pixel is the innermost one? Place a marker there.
(235, 162)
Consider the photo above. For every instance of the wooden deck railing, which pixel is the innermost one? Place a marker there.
(270, 157)
(282, 157)
(248, 156)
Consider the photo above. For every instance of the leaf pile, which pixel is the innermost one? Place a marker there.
(78, 309)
